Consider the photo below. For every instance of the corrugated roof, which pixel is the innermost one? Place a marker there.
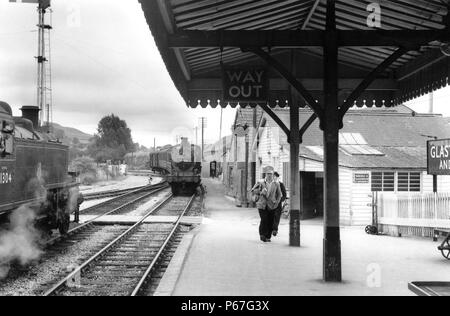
(393, 158)
(379, 128)
(399, 134)
(292, 15)
(185, 65)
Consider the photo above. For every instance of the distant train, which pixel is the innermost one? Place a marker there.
(180, 165)
(34, 170)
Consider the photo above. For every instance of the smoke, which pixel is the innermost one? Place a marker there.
(19, 243)
(75, 199)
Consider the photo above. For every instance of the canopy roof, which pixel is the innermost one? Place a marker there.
(195, 36)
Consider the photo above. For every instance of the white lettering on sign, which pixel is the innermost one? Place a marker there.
(439, 152)
(245, 85)
(439, 157)
(246, 92)
(361, 178)
(5, 176)
(235, 76)
(444, 165)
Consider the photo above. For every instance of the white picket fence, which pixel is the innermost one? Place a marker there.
(413, 214)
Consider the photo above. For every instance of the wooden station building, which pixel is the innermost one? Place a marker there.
(369, 161)
(327, 55)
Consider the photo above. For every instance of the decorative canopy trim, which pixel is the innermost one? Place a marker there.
(424, 81)
(279, 99)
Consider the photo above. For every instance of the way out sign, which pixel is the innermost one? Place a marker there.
(245, 85)
(439, 157)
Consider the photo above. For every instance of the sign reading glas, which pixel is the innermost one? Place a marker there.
(242, 85)
(439, 157)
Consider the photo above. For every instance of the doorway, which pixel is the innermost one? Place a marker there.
(311, 186)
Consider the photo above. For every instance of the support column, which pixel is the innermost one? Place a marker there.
(332, 270)
(294, 140)
(435, 183)
(253, 160)
(246, 204)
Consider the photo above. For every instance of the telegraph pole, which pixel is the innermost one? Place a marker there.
(196, 135)
(431, 103)
(203, 122)
(221, 120)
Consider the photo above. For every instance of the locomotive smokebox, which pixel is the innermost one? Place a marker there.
(31, 113)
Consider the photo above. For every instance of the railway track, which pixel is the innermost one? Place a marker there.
(114, 206)
(110, 193)
(141, 173)
(129, 265)
(124, 201)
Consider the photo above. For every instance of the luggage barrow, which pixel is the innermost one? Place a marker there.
(430, 289)
(445, 247)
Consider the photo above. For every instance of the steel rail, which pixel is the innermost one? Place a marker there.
(82, 226)
(161, 249)
(88, 262)
(125, 195)
(110, 193)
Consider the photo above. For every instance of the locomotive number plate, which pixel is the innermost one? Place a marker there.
(5, 176)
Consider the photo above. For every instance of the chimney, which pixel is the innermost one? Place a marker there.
(31, 113)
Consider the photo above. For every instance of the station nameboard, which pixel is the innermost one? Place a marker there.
(439, 157)
(242, 85)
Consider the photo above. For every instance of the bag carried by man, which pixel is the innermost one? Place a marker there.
(256, 194)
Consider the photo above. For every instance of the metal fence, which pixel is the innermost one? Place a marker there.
(413, 214)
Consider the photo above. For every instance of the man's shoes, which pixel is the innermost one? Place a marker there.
(275, 233)
(263, 239)
(268, 240)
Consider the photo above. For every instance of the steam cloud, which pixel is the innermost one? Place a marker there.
(20, 242)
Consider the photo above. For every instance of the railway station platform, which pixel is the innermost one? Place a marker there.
(226, 258)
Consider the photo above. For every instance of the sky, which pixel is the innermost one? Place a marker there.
(104, 60)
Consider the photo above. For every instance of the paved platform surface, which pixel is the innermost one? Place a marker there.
(227, 258)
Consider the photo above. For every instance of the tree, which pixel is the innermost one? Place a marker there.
(113, 140)
(113, 132)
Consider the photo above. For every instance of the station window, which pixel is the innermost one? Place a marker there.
(409, 181)
(383, 181)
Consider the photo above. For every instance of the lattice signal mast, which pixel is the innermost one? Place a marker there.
(44, 79)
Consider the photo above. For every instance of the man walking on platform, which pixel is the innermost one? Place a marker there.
(277, 215)
(267, 195)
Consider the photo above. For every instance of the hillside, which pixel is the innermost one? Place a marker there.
(67, 134)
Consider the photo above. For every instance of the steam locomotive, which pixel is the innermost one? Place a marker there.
(180, 165)
(34, 170)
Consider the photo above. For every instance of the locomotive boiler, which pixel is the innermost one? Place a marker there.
(180, 165)
(34, 170)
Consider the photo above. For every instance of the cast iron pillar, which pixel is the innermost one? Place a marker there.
(332, 270)
(294, 141)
